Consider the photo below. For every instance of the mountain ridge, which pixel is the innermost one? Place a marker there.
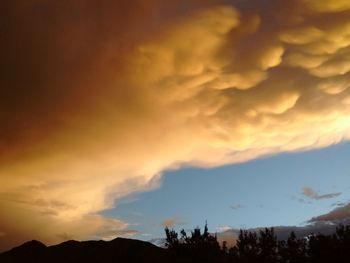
(116, 250)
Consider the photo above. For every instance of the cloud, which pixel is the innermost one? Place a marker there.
(222, 228)
(312, 194)
(98, 100)
(226, 234)
(327, 5)
(236, 206)
(171, 222)
(339, 204)
(338, 215)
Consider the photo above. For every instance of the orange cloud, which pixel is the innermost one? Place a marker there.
(311, 193)
(100, 100)
(171, 222)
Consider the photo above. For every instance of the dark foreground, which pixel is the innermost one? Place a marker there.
(251, 247)
(117, 250)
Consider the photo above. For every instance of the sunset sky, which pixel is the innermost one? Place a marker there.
(118, 118)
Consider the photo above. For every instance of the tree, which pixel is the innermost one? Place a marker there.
(322, 248)
(342, 237)
(196, 247)
(172, 241)
(293, 250)
(268, 246)
(246, 247)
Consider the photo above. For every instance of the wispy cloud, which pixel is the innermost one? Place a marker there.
(339, 204)
(236, 206)
(312, 194)
(170, 222)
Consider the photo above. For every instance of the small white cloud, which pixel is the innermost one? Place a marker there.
(222, 228)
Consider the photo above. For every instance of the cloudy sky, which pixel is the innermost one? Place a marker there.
(118, 118)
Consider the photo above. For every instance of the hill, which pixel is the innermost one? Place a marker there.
(117, 250)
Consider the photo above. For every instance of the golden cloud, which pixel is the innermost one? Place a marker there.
(103, 104)
(327, 5)
(171, 222)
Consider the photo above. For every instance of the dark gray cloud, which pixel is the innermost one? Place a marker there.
(338, 215)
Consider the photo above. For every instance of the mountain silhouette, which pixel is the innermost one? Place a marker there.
(117, 250)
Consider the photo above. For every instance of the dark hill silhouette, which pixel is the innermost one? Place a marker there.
(194, 246)
(117, 250)
(29, 250)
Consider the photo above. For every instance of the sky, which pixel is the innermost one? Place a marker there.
(283, 190)
(118, 118)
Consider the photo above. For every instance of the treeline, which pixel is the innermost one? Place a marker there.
(259, 247)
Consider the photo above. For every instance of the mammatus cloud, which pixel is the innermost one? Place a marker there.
(97, 100)
(311, 193)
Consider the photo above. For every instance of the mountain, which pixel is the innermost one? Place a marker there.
(117, 250)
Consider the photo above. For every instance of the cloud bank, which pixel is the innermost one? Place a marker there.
(340, 215)
(97, 100)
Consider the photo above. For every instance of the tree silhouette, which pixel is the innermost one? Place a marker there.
(342, 236)
(172, 241)
(261, 247)
(322, 248)
(268, 246)
(198, 246)
(246, 249)
(293, 250)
